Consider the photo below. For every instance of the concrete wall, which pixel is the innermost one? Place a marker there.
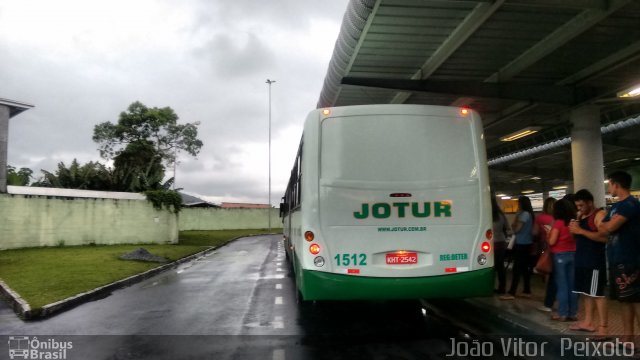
(27, 221)
(227, 219)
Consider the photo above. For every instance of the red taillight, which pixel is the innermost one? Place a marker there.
(489, 234)
(309, 236)
(486, 246)
(314, 249)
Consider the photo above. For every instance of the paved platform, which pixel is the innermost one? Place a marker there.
(498, 321)
(528, 309)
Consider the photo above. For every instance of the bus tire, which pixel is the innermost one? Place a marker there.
(304, 304)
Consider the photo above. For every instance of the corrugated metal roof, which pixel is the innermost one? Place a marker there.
(588, 46)
(194, 201)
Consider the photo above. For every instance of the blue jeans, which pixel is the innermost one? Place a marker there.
(564, 271)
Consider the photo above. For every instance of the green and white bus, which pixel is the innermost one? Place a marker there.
(390, 202)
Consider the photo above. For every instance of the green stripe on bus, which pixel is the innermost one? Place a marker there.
(317, 285)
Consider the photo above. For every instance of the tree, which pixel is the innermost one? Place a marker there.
(157, 127)
(138, 168)
(142, 142)
(21, 177)
(90, 176)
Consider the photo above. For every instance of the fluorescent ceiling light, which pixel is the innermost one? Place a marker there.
(506, 198)
(528, 191)
(630, 92)
(521, 133)
(560, 187)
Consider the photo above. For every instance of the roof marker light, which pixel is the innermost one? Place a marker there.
(326, 112)
(464, 111)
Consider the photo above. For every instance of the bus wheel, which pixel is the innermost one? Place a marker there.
(299, 298)
(304, 305)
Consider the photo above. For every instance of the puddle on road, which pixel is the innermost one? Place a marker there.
(258, 324)
(194, 280)
(164, 280)
(257, 277)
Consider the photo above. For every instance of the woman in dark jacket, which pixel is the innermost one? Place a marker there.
(522, 227)
(501, 230)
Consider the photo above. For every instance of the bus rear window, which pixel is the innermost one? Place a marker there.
(397, 148)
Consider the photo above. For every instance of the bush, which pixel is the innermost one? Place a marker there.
(165, 197)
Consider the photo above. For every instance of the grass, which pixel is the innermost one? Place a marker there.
(46, 275)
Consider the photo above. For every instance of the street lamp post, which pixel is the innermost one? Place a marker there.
(269, 209)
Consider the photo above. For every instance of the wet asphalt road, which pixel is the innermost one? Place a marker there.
(236, 303)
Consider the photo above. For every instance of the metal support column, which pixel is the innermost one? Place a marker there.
(586, 152)
(4, 137)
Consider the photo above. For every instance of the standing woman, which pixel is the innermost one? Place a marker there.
(501, 230)
(563, 248)
(522, 227)
(543, 223)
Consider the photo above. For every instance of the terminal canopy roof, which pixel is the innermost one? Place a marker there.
(519, 63)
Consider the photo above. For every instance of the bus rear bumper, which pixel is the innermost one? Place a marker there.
(317, 285)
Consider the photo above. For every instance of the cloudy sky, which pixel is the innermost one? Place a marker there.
(83, 62)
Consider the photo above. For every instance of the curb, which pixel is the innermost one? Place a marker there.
(24, 311)
(18, 304)
(479, 319)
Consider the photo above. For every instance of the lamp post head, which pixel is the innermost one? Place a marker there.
(270, 81)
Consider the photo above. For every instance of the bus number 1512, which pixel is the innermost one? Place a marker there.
(351, 259)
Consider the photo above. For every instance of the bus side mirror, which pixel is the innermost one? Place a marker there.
(284, 208)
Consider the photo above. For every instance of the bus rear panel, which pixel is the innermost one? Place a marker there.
(396, 201)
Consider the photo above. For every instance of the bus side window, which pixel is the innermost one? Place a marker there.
(293, 194)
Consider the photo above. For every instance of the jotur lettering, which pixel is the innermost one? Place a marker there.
(402, 209)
